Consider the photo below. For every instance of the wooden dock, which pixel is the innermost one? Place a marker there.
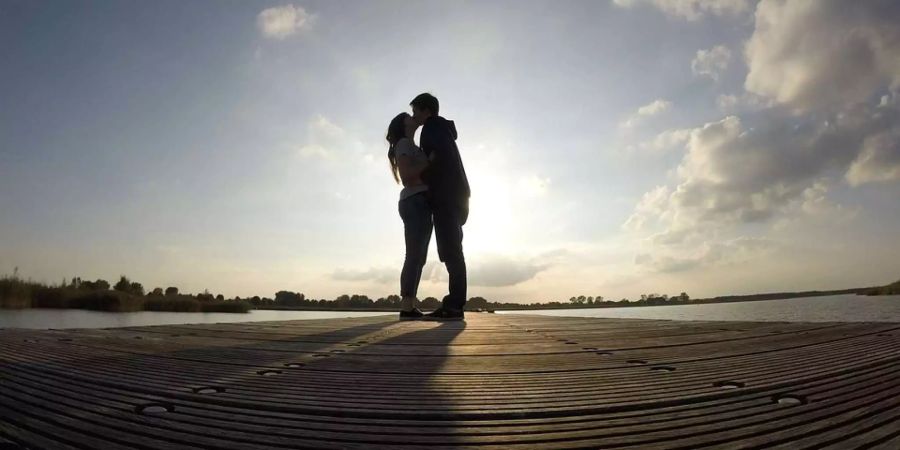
(494, 381)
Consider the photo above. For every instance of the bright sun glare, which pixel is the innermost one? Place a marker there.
(491, 217)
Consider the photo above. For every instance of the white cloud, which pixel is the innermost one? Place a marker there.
(815, 202)
(711, 63)
(324, 139)
(667, 140)
(730, 251)
(727, 102)
(691, 9)
(503, 271)
(485, 270)
(879, 160)
(814, 55)
(377, 274)
(327, 127)
(733, 175)
(650, 207)
(817, 210)
(651, 109)
(746, 102)
(314, 151)
(815, 67)
(655, 107)
(497, 270)
(282, 21)
(679, 263)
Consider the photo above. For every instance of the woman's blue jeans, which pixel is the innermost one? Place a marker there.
(417, 226)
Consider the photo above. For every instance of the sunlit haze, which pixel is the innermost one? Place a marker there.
(614, 148)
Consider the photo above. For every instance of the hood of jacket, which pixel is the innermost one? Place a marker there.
(447, 124)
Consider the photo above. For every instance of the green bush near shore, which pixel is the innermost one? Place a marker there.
(96, 300)
(47, 297)
(226, 307)
(891, 289)
(179, 304)
(106, 301)
(189, 304)
(16, 293)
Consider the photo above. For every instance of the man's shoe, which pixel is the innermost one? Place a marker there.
(432, 315)
(445, 315)
(413, 314)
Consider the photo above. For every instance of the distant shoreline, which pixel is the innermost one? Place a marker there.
(634, 304)
(128, 296)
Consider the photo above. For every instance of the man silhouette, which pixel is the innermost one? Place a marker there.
(448, 194)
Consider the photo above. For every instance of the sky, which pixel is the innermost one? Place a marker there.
(614, 148)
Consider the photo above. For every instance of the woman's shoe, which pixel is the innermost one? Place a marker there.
(413, 314)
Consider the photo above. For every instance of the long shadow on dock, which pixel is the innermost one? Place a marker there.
(382, 385)
(312, 389)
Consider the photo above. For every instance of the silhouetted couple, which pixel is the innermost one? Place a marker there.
(435, 195)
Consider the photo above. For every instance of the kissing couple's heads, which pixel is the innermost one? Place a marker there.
(424, 106)
(403, 125)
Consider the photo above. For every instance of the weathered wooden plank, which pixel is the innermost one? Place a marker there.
(493, 382)
(642, 376)
(669, 423)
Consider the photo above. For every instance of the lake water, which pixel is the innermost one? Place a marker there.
(78, 318)
(836, 308)
(833, 308)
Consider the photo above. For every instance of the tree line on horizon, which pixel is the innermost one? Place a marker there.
(15, 292)
(289, 299)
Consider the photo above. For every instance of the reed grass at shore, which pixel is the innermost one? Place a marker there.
(16, 293)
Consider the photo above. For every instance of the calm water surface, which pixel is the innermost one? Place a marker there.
(834, 308)
(77, 318)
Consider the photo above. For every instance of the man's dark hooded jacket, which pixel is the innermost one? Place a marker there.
(445, 176)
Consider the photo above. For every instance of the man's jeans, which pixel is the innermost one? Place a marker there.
(448, 222)
(417, 224)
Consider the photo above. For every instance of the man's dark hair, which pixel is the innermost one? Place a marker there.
(426, 101)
